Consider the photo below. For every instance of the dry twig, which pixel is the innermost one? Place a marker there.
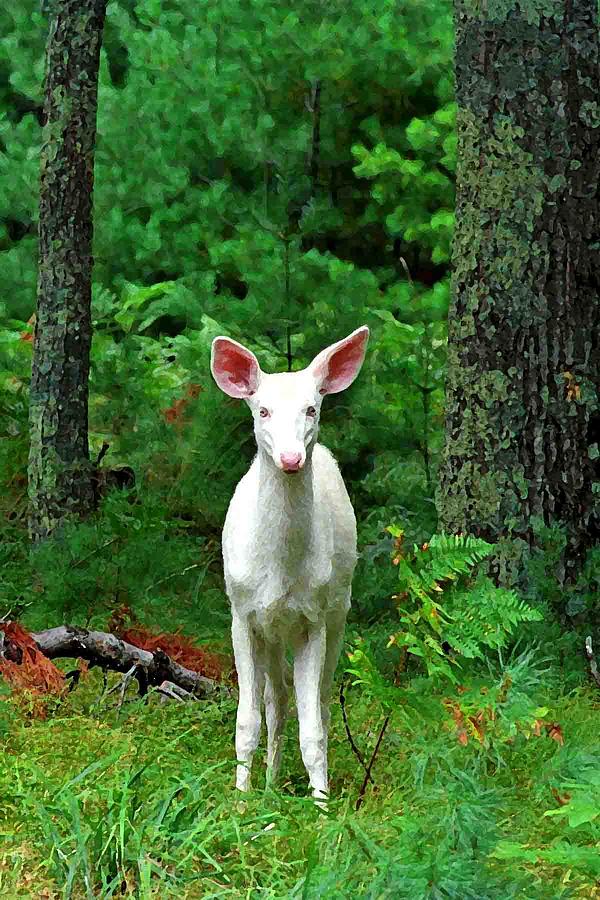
(355, 749)
(363, 788)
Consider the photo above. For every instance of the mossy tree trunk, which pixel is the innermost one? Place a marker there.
(60, 482)
(524, 370)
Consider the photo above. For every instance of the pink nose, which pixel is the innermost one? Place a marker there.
(290, 461)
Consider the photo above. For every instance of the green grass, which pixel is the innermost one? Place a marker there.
(141, 803)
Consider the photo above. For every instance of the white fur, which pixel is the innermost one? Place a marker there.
(289, 550)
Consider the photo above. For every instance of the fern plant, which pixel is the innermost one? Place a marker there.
(446, 612)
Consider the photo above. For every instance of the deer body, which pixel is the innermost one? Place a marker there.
(289, 544)
(289, 551)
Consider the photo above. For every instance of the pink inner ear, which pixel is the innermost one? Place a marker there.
(235, 369)
(343, 365)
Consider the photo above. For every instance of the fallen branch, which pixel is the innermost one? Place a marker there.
(123, 684)
(99, 648)
(172, 691)
(592, 660)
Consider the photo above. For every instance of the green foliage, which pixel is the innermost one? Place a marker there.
(579, 600)
(471, 616)
(561, 854)
(142, 804)
(571, 777)
(15, 366)
(133, 554)
(212, 220)
(7, 716)
(122, 838)
(485, 616)
(368, 674)
(579, 810)
(217, 212)
(491, 707)
(494, 709)
(583, 806)
(229, 92)
(420, 176)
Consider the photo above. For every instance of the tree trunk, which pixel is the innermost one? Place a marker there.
(522, 423)
(60, 477)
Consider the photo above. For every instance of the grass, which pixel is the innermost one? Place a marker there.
(141, 803)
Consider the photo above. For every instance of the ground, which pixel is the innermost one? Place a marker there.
(141, 803)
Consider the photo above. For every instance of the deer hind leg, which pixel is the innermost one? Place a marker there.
(276, 706)
(309, 660)
(247, 651)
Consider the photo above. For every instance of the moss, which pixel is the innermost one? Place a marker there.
(59, 469)
(532, 11)
(522, 383)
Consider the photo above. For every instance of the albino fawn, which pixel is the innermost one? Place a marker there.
(289, 549)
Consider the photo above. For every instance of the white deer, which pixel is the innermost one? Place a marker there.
(289, 551)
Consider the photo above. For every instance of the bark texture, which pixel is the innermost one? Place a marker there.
(522, 426)
(60, 477)
(106, 650)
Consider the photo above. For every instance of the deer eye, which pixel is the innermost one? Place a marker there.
(311, 411)
(263, 412)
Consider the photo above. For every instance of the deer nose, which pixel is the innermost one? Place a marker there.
(290, 462)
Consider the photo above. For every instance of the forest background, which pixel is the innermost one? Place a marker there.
(281, 176)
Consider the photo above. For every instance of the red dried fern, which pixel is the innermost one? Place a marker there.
(179, 648)
(25, 668)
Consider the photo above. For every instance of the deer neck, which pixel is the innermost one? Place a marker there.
(285, 509)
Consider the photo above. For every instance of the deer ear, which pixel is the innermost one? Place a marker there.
(234, 368)
(336, 367)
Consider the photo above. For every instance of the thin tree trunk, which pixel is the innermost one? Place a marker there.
(315, 144)
(60, 481)
(522, 426)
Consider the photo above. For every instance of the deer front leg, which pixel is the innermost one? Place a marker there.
(308, 672)
(336, 623)
(276, 706)
(246, 651)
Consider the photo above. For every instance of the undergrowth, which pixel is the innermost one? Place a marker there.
(140, 803)
(485, 781)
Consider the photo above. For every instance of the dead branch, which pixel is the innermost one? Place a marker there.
(99, 648)
(170, 691)
(363, 787)
(592, 660)
(123, 684)
(349, 734)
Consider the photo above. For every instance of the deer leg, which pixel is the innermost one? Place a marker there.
(276, 706)
(246, 651)
(335, 625)
(308, 672)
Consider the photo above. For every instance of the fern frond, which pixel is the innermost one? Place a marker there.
(440, 609)
(485, 615)
(446, 559)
